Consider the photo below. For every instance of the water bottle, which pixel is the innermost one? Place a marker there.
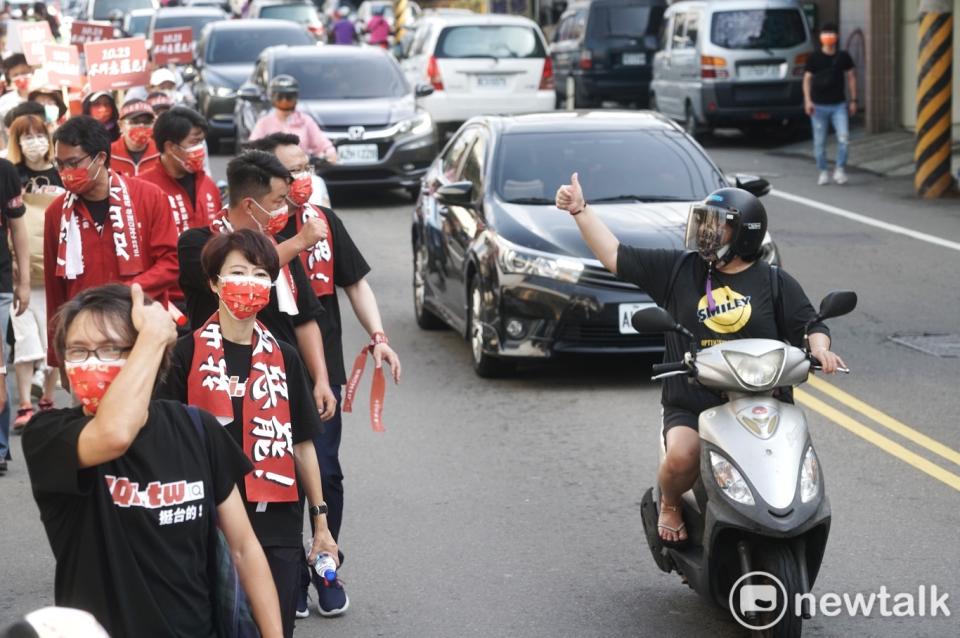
(326, 566)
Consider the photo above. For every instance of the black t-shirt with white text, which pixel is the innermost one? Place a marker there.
(349, 267)
(281, 524)
(131, 536)
(829, 76)
(744, 309)
(11, 207)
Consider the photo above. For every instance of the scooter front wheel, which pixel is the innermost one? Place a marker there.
(777, 559)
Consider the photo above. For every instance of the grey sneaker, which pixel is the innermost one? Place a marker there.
(824, 178)
(840, 175)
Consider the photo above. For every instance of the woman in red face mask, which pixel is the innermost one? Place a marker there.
(123, 479)
(102, 107)
(258, 389)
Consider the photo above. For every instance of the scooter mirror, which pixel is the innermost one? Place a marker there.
(653, 319)
(837, 303)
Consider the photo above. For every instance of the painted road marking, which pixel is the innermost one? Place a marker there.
(885, 420)
(869, 221)
(884, 443)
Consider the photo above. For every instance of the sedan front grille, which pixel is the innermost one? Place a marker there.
(600, 276)
(602, 335)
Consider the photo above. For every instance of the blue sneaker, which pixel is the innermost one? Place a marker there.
(332, 599)
(303, 609)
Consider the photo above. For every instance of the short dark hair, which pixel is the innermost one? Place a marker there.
(249, 174)
(253, 245)
(175, 125)
(85, 132)
(829, 27)
(24, 108)
(270, 143)
(13, 61)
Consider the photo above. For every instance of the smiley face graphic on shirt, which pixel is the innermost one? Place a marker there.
(731, 314)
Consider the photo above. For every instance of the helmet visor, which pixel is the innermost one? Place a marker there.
(705, 229)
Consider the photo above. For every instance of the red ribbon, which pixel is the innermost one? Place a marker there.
(378, 387)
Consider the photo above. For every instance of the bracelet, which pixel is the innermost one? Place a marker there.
(377, 338)
(579, 211)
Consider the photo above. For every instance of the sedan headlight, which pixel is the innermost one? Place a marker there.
(420, 124)
(516, 260)
(755, 372)
(730, 480)
(222, 91)
(809, 476)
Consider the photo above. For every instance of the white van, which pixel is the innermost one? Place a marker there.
(736, 63)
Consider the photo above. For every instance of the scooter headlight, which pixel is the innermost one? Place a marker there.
(809, 476)
(730, 480)
(756, 372)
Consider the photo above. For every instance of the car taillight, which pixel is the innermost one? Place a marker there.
(433, 74)
(546, 80)
(586, 59)
(800, 64)
(713, 67)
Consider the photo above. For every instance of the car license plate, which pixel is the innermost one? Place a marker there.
(357, 153)
(759, 71)
(634, 59)
(626, 314)
(491, 81)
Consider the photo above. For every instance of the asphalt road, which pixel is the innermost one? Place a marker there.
(511, 507)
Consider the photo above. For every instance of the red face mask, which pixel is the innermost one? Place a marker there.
(22, 82)
(77, 180)
(194, 160)
(140, 135)
(244, 296)
(277, 219)
(89, 380)
(101, 113)
(301, 188)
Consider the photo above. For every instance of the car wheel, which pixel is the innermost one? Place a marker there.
(484, 365)
(425, 319)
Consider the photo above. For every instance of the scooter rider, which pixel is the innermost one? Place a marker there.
(726, 294)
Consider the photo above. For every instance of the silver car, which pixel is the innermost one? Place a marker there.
(735, 63)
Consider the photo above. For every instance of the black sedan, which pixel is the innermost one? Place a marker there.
(361, 101)
(495, 260)
(226, 54)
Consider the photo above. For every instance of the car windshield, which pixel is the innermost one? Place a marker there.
(103, 8)
(231, 46)
(301, 13)
(196, 23)
(624, 165)
(620, 20)
(758, 29)
(138, 25)
(344, 78)
(496, 41)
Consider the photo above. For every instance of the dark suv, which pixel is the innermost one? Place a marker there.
(603, 50)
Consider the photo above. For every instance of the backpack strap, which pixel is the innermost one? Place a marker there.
(194, 413)
(777, 302)
(674, 275)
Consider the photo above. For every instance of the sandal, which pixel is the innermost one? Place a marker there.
(676, 530)
(45, 404)
(23, 417)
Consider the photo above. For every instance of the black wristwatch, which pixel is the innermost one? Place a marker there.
(317, 510)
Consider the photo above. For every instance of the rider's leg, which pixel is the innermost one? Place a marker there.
(677, 474)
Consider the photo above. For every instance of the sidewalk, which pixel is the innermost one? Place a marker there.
(884, 154)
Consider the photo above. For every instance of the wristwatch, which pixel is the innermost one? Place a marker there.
(3, 369)
(317, 510)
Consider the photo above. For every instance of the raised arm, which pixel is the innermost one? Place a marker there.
(599, 239)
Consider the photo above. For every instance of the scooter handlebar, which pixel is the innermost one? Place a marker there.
(675, 366)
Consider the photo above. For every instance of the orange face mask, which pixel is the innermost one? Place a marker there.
(828, 39)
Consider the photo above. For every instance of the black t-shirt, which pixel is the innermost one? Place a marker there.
(349, 267)
(98, 211)
(829, 82)
(189, 184)
(745, 309)
(11, 207)
(202, 302)
(131, 536)
(281, 524)
(33, 181)
(135, 155)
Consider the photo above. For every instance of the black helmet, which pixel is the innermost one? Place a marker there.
(284, 85)
(734, 207)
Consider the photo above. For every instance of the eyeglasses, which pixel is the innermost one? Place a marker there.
(104, 353)
(73, 162)
(286, 97)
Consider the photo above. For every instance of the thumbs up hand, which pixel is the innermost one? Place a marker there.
(570, 196)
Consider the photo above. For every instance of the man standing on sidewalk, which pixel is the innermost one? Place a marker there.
(824, 100)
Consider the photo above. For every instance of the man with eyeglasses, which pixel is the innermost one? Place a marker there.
(107, 228)
(285, 118)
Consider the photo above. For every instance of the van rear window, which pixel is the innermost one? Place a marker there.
(620, 20)
(489, 41)
(758, 29)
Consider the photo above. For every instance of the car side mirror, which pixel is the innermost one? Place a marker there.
(456, 194)
(752, 184)
(836, 304)
(189, 74)
(250, 93)
(422, 90)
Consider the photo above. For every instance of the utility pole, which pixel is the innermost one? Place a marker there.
(931, 154)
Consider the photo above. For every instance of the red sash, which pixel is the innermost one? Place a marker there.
(123, 222)
(378, 387)
(318, 260)
(267, 438)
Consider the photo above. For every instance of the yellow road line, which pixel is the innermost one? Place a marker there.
(882, 442)
(885, 420)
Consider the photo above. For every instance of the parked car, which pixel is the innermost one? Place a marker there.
(113, 10)
(222, 4)
(494, 260)
(136, 23)
(361, 100)
(176, 17)
(732, 63)
(479, 64)
(603, 50)
(303, 13)
(226, 53)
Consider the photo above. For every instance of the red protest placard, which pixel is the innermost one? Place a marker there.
(62, 65)
(83, 32)
(117, 64)
(33, 36)
(172, 45)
